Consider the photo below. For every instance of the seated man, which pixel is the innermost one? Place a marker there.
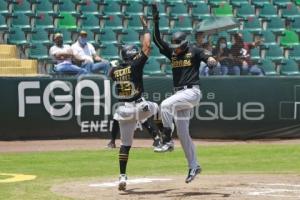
(85, 53)
(62, 55)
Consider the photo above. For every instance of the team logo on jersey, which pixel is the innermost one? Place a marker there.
(184, 62)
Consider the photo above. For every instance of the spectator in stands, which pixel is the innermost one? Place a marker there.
(62, 55)
(240, 52)
(202, 41)
(221, 52)
(85, 53)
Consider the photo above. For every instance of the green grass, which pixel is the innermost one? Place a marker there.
(53, 167)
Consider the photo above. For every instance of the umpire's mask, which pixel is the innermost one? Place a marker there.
(179, 40)
(128, 52)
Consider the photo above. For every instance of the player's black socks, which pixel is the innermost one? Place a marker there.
(123, 158)
(115, 130)
(167, 135)
(151, 127)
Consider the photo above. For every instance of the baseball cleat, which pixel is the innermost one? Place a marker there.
(168, 146)
(111, 145)
(192, 174)
(122, 182)
(156, 142)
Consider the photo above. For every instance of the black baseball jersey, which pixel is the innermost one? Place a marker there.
(129, 78)
(185, 67)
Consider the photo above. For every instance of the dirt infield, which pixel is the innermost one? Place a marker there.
(94, 144)
(208, 187)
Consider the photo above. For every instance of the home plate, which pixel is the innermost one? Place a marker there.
(130, 182)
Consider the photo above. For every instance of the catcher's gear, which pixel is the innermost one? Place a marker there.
(128, 52)
(179, 41)
(155, 13)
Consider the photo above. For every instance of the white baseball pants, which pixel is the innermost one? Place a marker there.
(129, 113)
(179, 107)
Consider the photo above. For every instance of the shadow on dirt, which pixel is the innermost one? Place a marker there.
(189, 194)
(139, 191)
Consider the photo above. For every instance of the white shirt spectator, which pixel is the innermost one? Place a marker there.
(66, 49)
(85, 53)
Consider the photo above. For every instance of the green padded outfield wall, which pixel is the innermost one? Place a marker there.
(231, 107)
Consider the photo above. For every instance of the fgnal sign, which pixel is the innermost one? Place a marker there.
(64, 101)
(49, 107)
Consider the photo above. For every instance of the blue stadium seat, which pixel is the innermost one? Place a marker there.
(295, 24)
(276, 25)
(89, 7)
(268, 67)
(245, 11)
(153, 68)
(238, 3)
(44, 20)
(67, 6)
(178, 9)
(130, 36)
(4, 5)
(268, 38)
(294, 53)
(268, 11)
(39, 52)
(253, 25)
(289, 68)
(134, 8)
(21, 20)
(274, 53)
(41, 36)
(44, 6)
(3, 24)
(290, 12)
(112, 8)
(281, 3)
(183, 23)
(22, 6)
(108, 36)
(200, 11)
(110, 52)
(90, 22)
(113, 22)
(260, 3)
(134, 23)
(17, 37)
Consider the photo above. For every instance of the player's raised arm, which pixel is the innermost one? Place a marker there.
(162, 45)
(146, 44)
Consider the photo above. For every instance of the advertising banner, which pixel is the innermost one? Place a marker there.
(70, 107)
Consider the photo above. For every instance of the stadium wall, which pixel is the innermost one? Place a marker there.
(231, 107)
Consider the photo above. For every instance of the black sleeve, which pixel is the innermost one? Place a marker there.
(201, 54)
(162, 45)
(139, 62)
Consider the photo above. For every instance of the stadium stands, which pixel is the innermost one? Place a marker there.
(30, 25)
(10, 65)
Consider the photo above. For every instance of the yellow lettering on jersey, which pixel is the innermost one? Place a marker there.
(181, 63)
(185, 62)
(122, 72)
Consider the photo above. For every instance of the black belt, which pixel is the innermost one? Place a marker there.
(176, 89)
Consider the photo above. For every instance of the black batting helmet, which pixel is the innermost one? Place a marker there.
(128, 52)
(179, 40)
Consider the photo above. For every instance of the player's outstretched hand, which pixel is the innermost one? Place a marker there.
(155, 12)
(211, 62)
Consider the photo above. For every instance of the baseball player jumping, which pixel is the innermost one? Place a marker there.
(185, 60)
(128, 80)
